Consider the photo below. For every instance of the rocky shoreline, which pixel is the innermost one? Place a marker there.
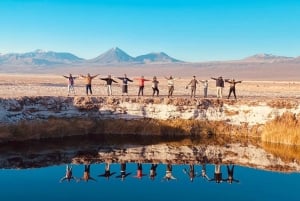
(65, 116)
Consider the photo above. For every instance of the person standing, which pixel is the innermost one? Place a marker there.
(88, 78)
(109, 82)
(155, 86)
(170, 86)
(125, 81)
(220, 86)
(70, 83)
(232, 87)
(193, 84)
(205, 87)
(141, 81)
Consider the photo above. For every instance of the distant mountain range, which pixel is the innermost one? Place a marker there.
(113, 56)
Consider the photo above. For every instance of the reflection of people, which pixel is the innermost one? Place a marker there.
(232, 87)
(170, 86)
(139, 171)
(169, 176)
(107, 172)
(109, 82)
(205, 87)
(153, 171)
(88, 78)
(230, 178)
(69, 174)
(193, 84)
(155, 86)
(141, 85)
(70, 83)
(86, 174)
(220, 86)
(125, 81)
(217, 174)
(203, 172)
(191, 172)
(123, 173)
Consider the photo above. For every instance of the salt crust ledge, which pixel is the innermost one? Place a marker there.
(249, 111)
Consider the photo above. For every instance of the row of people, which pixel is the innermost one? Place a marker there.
(190, 172)
(170, 82)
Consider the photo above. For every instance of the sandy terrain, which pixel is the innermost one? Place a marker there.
(16, 85)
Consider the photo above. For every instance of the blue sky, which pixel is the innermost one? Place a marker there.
(188, 30)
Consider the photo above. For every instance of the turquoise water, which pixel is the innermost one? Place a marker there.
(44, 184)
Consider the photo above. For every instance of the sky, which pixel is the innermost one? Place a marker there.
(200, 30)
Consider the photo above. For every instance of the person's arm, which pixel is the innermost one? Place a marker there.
(213, 78)
(65, 77)
(114, 81)
(111, 174)
(91, 178)
(82, 76)
(129, 80)
(62, 179)
(238, 82)
(92, 77)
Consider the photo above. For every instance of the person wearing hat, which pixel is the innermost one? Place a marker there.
(219, 85)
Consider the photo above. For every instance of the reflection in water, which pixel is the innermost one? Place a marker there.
(69, 174)
(191, 172)
(169, 176)
(139, 171)
(26, 183)
(123, 173)
(86, 174)
(153, 173)
(107, 172)
(188, 163)
(230, 178)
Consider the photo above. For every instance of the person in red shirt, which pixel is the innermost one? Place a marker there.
(139, 172)
(141, 81)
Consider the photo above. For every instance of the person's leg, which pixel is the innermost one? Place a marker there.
(205, 92)
(221, 89)
(91, 92)
(87, 89)
(218, 92)
(229, 94)
(142, 90)
(233, 90)
(157, 91)
(153, 90)
(69, 89)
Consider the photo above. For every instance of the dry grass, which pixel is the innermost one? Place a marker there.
(58, 128)
(284, 129)
(287, 153)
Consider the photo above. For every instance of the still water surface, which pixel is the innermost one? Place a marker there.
(44, 184)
